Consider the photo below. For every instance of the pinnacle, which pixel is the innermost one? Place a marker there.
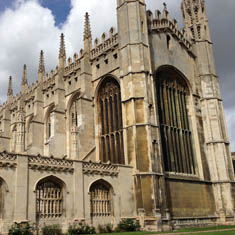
(87, 27)
(41, 68)
(24, 77)
(62, 53)
(10, 90)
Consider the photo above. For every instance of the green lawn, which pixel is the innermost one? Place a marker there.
(128, 233)
(188, 230)
(217, 233)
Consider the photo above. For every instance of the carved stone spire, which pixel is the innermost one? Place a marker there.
(24, 77)
(87, 34)
(195, 19)
(24, 82)
(41, 67)
(62, 52)
(87, 27)
(10, 90)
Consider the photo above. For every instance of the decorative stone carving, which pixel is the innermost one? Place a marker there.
(91, 168)
(50, 164)
(8, 160)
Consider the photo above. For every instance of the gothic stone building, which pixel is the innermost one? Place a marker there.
(133, 127)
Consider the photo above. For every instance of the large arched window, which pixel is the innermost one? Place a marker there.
(100, 199)
(49, 199)
(110, 121)
(176, 135)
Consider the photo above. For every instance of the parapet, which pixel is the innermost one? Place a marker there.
(105, 45)
(161, 23)
(73, 64)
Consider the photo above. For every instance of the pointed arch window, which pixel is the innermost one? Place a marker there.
(110, 120)
(74, 112)
(100, 199)
(13, 138)
(49, 199)
(176, 135)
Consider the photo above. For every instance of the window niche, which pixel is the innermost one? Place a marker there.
(101, 199)
(49, 199)
(176, 135)
(110, 122)
(50, 121)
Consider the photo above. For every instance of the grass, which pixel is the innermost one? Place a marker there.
(128, 233)
(186, 230)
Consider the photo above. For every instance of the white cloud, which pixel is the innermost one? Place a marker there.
(28, 27)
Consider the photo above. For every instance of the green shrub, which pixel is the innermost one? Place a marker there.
(108, 228)
(81, 228)
(128, 225)
(21, 229)
(54, 229)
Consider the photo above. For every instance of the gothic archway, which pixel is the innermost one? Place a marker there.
(110, 121)
(176, 136)
(101, 199)
(49, 198)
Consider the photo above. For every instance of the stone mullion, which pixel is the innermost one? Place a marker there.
(173, 129)
(164, 97)
(163, 121)
(188, 157)
(185, 132)
(177, 111)
(182, 150)
(171, 156)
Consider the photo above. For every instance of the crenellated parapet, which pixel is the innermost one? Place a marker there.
(50, 80)
(73, 65)
(105, 45)
(160, 22)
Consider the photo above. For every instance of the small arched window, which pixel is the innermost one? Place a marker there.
(49, 199)
(176, 135)
(74, 112)
(110, 120)
(50, 123)
(29, 129)
(13, 138)
(100, 199)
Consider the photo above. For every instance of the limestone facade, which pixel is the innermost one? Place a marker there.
(132, 127)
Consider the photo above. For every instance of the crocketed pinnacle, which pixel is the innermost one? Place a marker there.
(10, 90)
(62, 53)
(192, 4)
(87, 27)
(24, 77)
(41, 68)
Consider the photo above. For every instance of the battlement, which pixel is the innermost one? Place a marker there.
(162, 23)
(49, 80)
(73, 64)
(105, 45)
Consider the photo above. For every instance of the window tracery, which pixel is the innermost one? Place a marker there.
(176, 135)
(110, 119)
(49, 200)
(100, 200)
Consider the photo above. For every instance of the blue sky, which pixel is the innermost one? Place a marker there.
(59, 8)
(4, 4)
